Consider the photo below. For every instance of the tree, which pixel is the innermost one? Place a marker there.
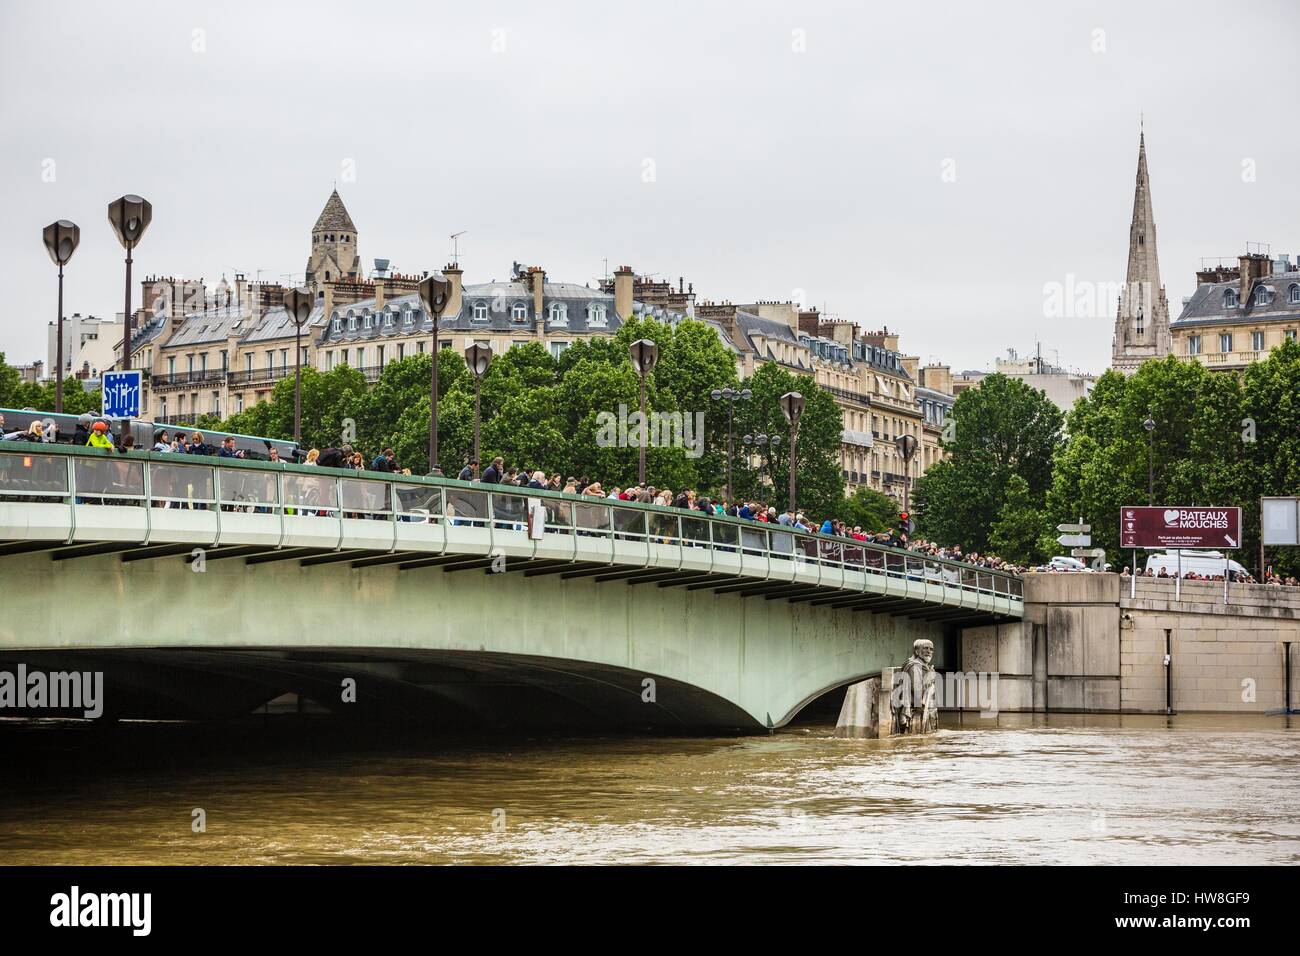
(15, 393)
(870, 510)
(330, 403)
(402, 386)
(1016, 535)
(1001, 429)
(1196, 450)
(820, 486)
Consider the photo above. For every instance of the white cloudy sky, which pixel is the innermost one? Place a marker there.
(776, 172)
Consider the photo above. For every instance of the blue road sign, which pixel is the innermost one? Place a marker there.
(121, 391)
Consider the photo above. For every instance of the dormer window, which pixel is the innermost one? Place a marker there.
(480, 311)
(369, 320)
(596, 314)
(558, 314)
(519, 312)
(1230, 298)
(352, 322)
(1293, 294)
(1262, 296)
(408, 318)
(388, 320)
(338, 325)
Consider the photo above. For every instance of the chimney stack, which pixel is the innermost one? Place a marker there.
(454, 273)
(623, 283)
(537, 284)
(1253, 266)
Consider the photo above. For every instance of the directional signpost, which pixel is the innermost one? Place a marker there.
(121, 396)
(1077, 537)
(1097, 555)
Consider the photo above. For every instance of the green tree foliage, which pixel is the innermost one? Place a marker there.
(1016, 535)
(820, 484)
(1219, 439)
(15, 393)
(329, 400)
(869, 509)
(1001, 429)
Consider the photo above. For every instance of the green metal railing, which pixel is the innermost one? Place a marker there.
(57, 474)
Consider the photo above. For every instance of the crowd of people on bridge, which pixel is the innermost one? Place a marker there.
(95, 433)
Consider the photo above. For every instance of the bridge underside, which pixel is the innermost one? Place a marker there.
(442, 690)
(472, 638)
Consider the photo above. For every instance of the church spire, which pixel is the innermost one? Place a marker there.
(1142, 322)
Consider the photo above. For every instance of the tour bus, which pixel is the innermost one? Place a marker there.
(253, 447)
(1208, 563)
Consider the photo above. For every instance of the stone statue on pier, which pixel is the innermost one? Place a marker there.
(914, 699)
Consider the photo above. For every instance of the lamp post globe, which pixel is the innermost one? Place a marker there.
(792, 406)
(644, 354)
(297, 305)
(61, 241)
(129, 216)
(477, 358)
(435, 294)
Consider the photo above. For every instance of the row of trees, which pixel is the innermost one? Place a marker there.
(1018, 467)
(15, 393)
(562, 415)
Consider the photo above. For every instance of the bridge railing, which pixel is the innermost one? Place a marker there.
(45, 474)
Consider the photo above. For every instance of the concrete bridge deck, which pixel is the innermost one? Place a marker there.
(231, 579)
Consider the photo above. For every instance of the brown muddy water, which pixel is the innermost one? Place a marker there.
(1075, 790)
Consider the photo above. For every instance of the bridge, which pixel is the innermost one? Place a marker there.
(204, 587)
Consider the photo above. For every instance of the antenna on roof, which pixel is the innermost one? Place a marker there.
(455, 247)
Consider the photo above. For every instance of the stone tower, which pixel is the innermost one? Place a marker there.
(1142, 321)
(333, 246)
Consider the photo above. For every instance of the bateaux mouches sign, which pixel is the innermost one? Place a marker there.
(1169, 527)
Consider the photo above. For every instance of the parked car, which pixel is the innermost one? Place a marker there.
(1062, 563)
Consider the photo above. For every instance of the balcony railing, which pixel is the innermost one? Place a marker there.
(258, 376)
(280, 505)
(848, 396)
(181, 379)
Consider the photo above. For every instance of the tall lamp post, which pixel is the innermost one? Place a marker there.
(61, 240)
(907, 448)
(435, 292)
(298, 303)
(478, 358)
(729, 395)
(130, 217)
(792, 404)
(1150, 426)
(645, 355)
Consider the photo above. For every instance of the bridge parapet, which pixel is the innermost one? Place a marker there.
(53, 495)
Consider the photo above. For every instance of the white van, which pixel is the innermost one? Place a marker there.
(1208, 563)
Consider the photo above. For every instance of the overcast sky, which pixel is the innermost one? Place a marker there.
(926, 167)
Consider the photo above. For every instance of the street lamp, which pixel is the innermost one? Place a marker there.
(1150, 426)
(792, 404)
(130, 217)
(61, 240)
(645, 355)
(478, 358)
(298, 303)
(758, 442)
(435, 293)
(907, 448)
(729, 395)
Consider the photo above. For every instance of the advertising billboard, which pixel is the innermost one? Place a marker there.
(1168, 526)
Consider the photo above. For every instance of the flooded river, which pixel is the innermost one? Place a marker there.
(1112, 790)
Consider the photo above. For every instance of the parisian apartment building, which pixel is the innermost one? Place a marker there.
(219, 351)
